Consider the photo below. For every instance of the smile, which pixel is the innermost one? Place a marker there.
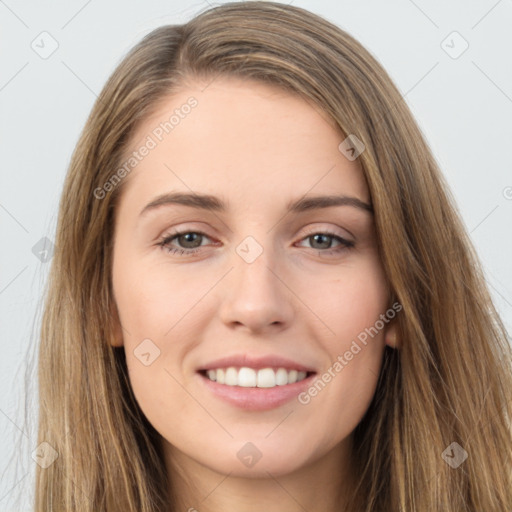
(254, 378)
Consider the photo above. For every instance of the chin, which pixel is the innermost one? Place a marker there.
(258, 458)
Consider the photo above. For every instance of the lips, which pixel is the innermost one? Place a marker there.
(255, 383)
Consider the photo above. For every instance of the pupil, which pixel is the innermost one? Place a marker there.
(322, 236)
(187, 237)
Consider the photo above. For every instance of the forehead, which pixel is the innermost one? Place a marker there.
(244, 141)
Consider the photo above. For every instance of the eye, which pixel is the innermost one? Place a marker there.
(323, 240)
(190, 239)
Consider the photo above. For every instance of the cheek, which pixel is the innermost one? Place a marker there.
(350, 307)
(151, 300)
(155, 312)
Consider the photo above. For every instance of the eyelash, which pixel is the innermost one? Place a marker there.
(166, 240)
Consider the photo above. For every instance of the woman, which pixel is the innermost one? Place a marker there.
(200, 352)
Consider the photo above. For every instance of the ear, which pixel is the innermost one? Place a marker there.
(117, 331)
(391, 336)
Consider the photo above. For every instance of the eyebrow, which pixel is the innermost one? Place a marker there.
(213, 203)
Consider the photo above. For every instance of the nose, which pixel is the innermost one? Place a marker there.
(257, 296)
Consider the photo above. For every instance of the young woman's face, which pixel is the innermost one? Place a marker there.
(260, 279)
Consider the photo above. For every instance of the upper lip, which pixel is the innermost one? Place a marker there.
(256, 362)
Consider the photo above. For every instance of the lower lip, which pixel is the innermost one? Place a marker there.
(256, 399)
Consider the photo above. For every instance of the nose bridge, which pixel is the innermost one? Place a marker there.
(253, 264)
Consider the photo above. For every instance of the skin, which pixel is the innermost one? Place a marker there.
(256, 147)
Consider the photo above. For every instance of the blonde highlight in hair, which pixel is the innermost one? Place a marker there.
(451, 379)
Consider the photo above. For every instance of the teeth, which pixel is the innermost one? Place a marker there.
(250, 378)
(266, 378)
(246, 378)
(281, 377)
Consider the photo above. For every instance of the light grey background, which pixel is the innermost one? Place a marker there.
(463, 105)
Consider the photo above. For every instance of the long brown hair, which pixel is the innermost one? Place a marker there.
(451, 379)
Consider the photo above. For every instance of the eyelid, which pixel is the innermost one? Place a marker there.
(184, 228)
(331, 231)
